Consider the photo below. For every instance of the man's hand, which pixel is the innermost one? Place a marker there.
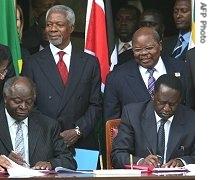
(43, 165)
(4, 163)
(173, 163)
(151, 160)
(17, 158)
(70, 136)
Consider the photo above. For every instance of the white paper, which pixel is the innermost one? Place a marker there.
(117, 172)
(19, 171)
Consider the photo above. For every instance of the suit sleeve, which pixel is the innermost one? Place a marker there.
(124, 143)
(93, 113)
(112, 106)
(62, 156)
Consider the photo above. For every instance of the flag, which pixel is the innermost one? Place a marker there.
(99, 35)
(192, 37)
(8, 34)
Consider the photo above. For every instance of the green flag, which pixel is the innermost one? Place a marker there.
(8, 32)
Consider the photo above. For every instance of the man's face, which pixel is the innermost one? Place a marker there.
(126, 24)
(146, 50)
(20, 101)
(182, 14)
(166, 101)
(58, 29)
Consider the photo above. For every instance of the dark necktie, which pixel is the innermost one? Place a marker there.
(62, 68)
(151, 81)
(19, 140)
(178, 48)
(161, 140)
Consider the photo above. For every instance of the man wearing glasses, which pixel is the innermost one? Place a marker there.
(134, 81)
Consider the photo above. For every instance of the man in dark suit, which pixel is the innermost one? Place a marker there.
(182, 19)
(6, 66)
(159, 132)
(74, 99)
(27, 136)
(129, 82)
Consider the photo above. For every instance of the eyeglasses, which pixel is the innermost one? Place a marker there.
(145, 49)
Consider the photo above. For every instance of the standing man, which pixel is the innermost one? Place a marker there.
(161, 126)
(176, 46)
(27, 136)
(134, 80)
(68, 81)
(126, 23)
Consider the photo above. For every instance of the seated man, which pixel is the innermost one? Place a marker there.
(159, 132)
(27, 136)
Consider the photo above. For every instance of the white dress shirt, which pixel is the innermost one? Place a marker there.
(167, 126)
(159, 70)
(66, 57)
(13, 129)
(121, 44)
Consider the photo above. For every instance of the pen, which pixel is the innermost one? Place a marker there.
(101, 162)
(131, 161)
(24, 161)
(158, 156)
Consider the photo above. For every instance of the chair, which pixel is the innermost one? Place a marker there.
(111, 133)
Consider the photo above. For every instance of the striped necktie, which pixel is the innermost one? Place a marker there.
(19, 140)
(151, 81)
(161, 140)
(178, 48)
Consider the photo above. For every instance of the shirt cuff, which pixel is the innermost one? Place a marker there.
(140, 161)
(182, 161)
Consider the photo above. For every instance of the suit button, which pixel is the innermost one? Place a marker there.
(50, 97)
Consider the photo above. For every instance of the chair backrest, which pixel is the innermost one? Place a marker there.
(111, 133)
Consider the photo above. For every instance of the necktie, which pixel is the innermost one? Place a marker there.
(151, 81)
(19, 140)
(161, 140)
(178, 48)
(62, 68)
(125, 47)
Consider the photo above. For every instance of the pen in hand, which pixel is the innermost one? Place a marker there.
(158, 156)
(18, 159)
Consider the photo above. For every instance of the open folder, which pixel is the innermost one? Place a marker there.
(86, 159)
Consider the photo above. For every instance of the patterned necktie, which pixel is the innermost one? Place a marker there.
(62, 68)
(178, 48)
(161, 140)
(19, 140)
(151, 81)
(125, 47)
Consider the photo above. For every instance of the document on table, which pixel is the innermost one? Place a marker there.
(16, 171)
(117, 173)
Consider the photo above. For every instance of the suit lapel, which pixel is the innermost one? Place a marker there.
(76, 70)
(135, 80)
(176, 131)
(4, 131)
(48, 66)
(33, 135)
(149, 127)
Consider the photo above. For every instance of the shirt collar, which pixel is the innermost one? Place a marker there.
(11, 121)
(158, 67)
(158, 118)
(120, 45)
(55, 50)
(186, 36)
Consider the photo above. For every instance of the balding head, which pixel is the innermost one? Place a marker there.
(146, 47)
(19, 95)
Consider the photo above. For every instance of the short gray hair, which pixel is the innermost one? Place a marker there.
(7, 89)
(70, 16)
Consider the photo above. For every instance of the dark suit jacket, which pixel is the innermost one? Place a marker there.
(6, 54)
(190, 60)
(138, 131)
(44, 141)
(125, 85)
(77, 104)
(169, 44)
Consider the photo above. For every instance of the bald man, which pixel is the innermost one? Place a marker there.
(130, 82)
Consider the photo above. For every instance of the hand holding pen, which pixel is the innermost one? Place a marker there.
(18, 159)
